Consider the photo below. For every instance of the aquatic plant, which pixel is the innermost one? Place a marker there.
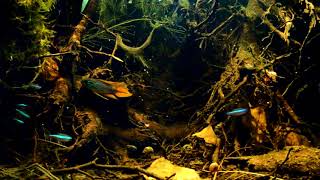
(120, 20)
(229, 73)
(154, 9)
(33, 36)
(185, 4)
(111, 11)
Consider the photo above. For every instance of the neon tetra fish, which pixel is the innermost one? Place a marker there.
(61, 137)
(107, 89)
(237, 112)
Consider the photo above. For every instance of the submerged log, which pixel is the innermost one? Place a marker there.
(292, 159)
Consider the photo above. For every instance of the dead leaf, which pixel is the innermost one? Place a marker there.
(258, 123)
(164, 168)
(208, 135)
(295, 139)
(61, 92)
(50, 69)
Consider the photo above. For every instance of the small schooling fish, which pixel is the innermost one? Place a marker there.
(21, 105)
(22, 113)
(61, 137)
(84, 5)
(19, 121)
(237, 112)
(31, 86)
(107, 89)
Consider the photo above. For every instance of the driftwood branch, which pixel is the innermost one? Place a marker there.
(301, 159)
(288, 108)
(109, 167)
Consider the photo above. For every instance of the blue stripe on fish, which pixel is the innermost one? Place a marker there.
(21, 105)
(98, 86)
(237, 112)
(84, 5)
(35, 86)
(18, 120)
(61, 136)
(22, 113)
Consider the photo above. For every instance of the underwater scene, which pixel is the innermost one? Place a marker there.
(160, 89)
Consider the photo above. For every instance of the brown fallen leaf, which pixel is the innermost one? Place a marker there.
(164, 168)
(208, 135)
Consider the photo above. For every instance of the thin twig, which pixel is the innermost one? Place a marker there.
(217, 28)
(288, 108)
(50, 142)
(284, 161)
(43, 170)
(250, 173)
(57, 54)
(130, 168)
(115, 167)
(85, 173)
(101, 53)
